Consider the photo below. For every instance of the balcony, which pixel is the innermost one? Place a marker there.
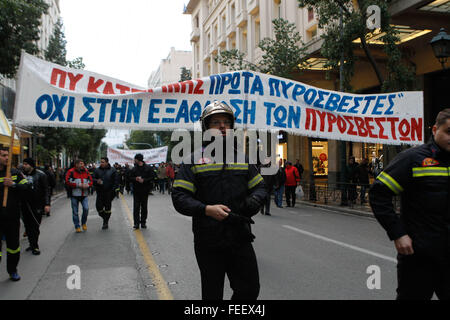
(231, 29)
(212, 49)
(222, 40)
(195, 34)
(241, 18)
(253, 6)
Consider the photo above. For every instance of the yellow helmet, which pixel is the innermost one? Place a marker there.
(216, 107)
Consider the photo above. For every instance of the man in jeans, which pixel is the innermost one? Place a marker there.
(79, 180)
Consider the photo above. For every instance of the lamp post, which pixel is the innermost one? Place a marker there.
(441, 46)
(142, 143)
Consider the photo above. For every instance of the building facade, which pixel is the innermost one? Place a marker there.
(24, 145)
(241, 24)
(169, 69)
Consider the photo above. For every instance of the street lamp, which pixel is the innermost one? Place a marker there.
(441, 46)
(147, 144)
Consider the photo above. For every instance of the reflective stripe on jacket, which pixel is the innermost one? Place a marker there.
(421, 176)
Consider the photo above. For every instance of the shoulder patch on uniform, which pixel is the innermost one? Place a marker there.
(428, 162)
(204, 161)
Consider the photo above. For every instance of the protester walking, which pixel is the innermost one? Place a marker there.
(162, 177)
(35, 204)
(299, 167)
(106, 182)
(279, 181)
(79, 180)
(292, 181)
(170, 173)
(269, 181)
(142, 177)
(18, 187)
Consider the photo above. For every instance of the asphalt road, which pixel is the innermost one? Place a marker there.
(304, 253)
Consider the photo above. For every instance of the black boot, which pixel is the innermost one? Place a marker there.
(106, 217)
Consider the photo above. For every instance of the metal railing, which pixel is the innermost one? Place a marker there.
(342, 194)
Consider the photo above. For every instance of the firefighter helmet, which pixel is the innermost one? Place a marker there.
(216, 107)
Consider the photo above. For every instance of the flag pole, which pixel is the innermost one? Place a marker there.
(13, 129)
(8, 167)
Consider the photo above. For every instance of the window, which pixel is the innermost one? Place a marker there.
(243, 39)
(223, 26)
(310, 14)
(257, 31)
(233, 13)
(215, 35)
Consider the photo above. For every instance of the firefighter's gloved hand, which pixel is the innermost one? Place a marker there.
(236, 218)
(252, 204)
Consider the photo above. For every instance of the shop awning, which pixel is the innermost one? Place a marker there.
(5, 134)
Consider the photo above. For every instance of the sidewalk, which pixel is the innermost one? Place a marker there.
(355, 209)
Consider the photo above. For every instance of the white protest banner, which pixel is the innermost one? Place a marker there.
(51, 95)
(156, 155)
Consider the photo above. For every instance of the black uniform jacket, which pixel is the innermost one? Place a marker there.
(201, 184)
(15, 194)
(421, 175)
(146, 173)
(40, 193)
(110, 179)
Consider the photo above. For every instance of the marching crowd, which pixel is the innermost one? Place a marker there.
(30, 188)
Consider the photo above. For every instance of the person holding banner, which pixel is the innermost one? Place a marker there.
(221, 198)
(17, 186)
(36, 205)
(421, 176)
(79, 180)
(142, 177)
(106, 182)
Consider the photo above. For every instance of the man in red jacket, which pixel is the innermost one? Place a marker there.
(79, 180)
(170, 176)
(292, 181)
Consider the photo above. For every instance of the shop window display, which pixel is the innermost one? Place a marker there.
(320, 157)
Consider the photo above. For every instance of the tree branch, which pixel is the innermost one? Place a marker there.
(371, 60)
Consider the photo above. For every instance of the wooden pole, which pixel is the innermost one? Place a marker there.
(8, 167)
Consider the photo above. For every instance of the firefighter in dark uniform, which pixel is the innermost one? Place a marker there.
(106, 182)
(36, 205)
(10, 216)
(421, 175)
(221, 198)
(142, 177)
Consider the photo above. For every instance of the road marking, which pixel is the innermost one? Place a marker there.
(300, 214)
(161, 285)
(375, 254)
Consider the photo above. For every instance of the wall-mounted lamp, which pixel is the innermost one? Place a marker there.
(441, 46)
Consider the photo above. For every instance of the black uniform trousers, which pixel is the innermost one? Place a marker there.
(103, 204)
(238, 263)
(290, 193)
(419, 277)
(10, 228)
(32, 218)
(140, 211)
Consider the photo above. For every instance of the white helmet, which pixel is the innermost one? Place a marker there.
(216, 107)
